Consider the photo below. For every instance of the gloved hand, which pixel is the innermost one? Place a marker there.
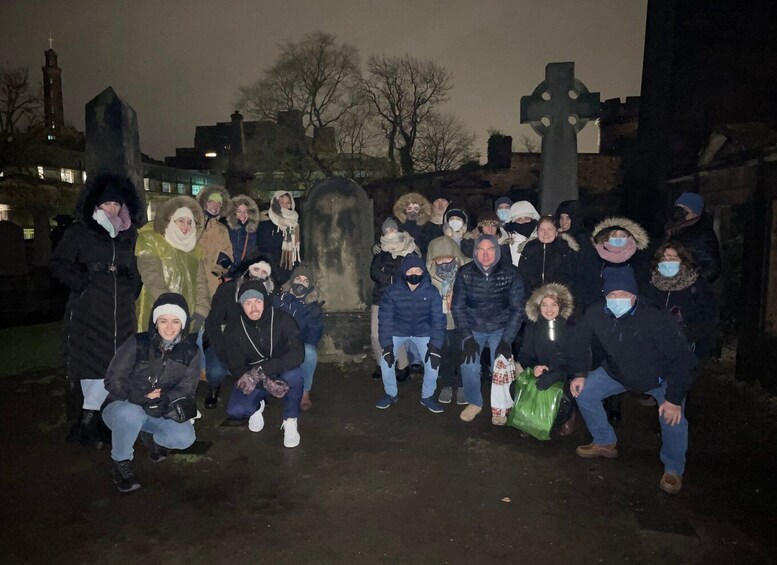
(433, 356)
(157, 407)
(548, 378)
(198, 320)
(388, 355)
(470, 349)
(136, 395)
(503, 348)
(247, 383)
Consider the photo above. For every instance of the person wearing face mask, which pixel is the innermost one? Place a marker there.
(300, 299)
(170, 260)
(443, 260)
(242, 220)
(552, 257)
(489, 223)
(645, 351)
(502, 209)
(151, 384)
(95, 261)
(280, 235)
(522, 226)
(545, 347)
(689, 227)
(677, 288)
(216, 245)
(413, 212)
(433, 228)
(455, 226)
(394, 246)
(410, 312)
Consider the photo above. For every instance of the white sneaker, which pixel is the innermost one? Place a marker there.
(256, 421)
(290, 434)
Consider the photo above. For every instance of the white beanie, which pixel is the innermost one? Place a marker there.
(169, 309)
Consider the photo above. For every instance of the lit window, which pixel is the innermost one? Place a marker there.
(211, 154)
(50, 137)
(181, 188)
(166, 187)
(40, 173)
(83, 177)
(196, 188)
(145, 185)
(66, 175)
(29, 233)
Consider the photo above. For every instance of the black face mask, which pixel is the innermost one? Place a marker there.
(414, 279)
(525, 229)
(679, 214)
(299, 289)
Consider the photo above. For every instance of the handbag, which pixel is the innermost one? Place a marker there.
(182, 409)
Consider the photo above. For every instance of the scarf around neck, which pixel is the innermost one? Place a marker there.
(112, 223)
(682, 280)
(617, 254)
(177, 239)
(287, 223)
(399, 244)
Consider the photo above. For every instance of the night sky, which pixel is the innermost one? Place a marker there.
(180, 63)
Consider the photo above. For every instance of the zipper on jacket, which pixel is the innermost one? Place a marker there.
(544, 248)
(115, 298)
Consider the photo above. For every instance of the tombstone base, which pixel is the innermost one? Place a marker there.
(346, 337)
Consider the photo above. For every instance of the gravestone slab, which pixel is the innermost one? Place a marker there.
(557, 110)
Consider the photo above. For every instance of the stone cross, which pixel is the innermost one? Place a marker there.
(113, 141)
(557, 109)
(51, 41)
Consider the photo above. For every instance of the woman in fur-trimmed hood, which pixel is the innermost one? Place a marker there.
(170, 260)
(280, 235)
(96, 262)
(243, 223)
(413, 211)
(214, 239)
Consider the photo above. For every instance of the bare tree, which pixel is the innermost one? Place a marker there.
(359, 138)
(404, 91)
(443, 144)
(20, 104)
(528, 144)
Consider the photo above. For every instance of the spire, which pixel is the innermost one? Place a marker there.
(51, 41)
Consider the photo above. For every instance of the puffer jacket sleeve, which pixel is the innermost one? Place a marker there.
(117, 378)
(64, 266)
(461, 315)
(316, 324)
(438, 319)
(386, 318)
(517, 315)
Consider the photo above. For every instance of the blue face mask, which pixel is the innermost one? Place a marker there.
(503, 214)
(617, 241)
(619, 306)
(669, 268)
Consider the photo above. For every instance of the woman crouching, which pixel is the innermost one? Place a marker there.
(151, 383)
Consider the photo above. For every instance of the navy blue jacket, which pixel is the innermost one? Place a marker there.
(489, 302)
(411, 313)
(309, 317)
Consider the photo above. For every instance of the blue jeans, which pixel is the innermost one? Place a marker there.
(309, 365)
(390, 377)
(470, 372)
(215, 368)
(598, 386)
(240, 406)
(127, 420)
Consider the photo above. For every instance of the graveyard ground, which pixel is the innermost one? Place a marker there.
(395, 486)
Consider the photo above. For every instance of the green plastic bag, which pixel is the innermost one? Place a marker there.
(535, 410)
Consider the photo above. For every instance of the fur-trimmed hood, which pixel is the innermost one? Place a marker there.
(571, 241)
(90, 193)
(603, 228)
(562, 293)
(253, 213)
(169, 206)
(226, 203)
(402, 202)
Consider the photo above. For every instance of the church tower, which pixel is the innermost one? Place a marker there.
(52, 95)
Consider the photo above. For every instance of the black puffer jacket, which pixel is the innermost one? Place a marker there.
(700, 241)
(140, 365)
(274, 335)
(383, 271)
(488, 301)
(543, 263)
(541, 344)
(102, 276)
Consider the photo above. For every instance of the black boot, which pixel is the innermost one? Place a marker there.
(212, 400)
(124, 477)
(156, 452)
(403, 374)
(612, 406)
(89, 429)
(377, 373)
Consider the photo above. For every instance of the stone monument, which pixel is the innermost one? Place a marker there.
(337, 224)
(112, 140)
(557, 109)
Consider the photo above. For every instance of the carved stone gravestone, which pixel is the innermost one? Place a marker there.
(557, 109)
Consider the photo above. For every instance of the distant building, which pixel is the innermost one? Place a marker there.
(53, 109)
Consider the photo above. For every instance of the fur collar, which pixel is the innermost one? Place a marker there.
(405, 199)
(166, 209)
(682, 280)
(253, 213)
(571, 241)
(565, 301)
(637, 232)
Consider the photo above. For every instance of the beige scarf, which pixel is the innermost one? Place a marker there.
(175, 236)
(399, 244)
(287, 223)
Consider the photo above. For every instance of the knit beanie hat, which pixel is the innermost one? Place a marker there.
(111, 193)
(389, 223)
(252, 289)
(619, 278)
(502, 200)
(694, 202)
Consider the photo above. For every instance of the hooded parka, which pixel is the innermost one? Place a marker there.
(214, 240)
(415, 228)
(280, 236)
(444, 246)
(243, 236)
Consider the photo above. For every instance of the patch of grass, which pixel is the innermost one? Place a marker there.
(30, 348)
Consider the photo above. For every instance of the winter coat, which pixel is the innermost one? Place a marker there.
(216, 246)
(306, 312)
(642, 348)
(414, 227)
(224, 309)
(693, 303)
(463, 238)
(274, 335)
(577, 230)
(102, 276)
(519, 237)
(140, 366)
(543, 263)
(487, 302)
(411, 313)
(699, 239)
(243, 237)
(444, 246)
(543, 344)
(164, 268)
(383, 270)
(270, 239)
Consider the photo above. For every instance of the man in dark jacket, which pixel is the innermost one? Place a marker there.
(693, 231)
(645, 351)
(410, 311)
(488, 301)
(263, 347)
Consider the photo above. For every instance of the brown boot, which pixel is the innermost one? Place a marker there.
(469, 413)
(671, 483)
(597, 450)
(306, 403)
(568, 427)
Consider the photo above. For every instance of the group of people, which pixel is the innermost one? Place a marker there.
(208, 287)
(591, 309)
